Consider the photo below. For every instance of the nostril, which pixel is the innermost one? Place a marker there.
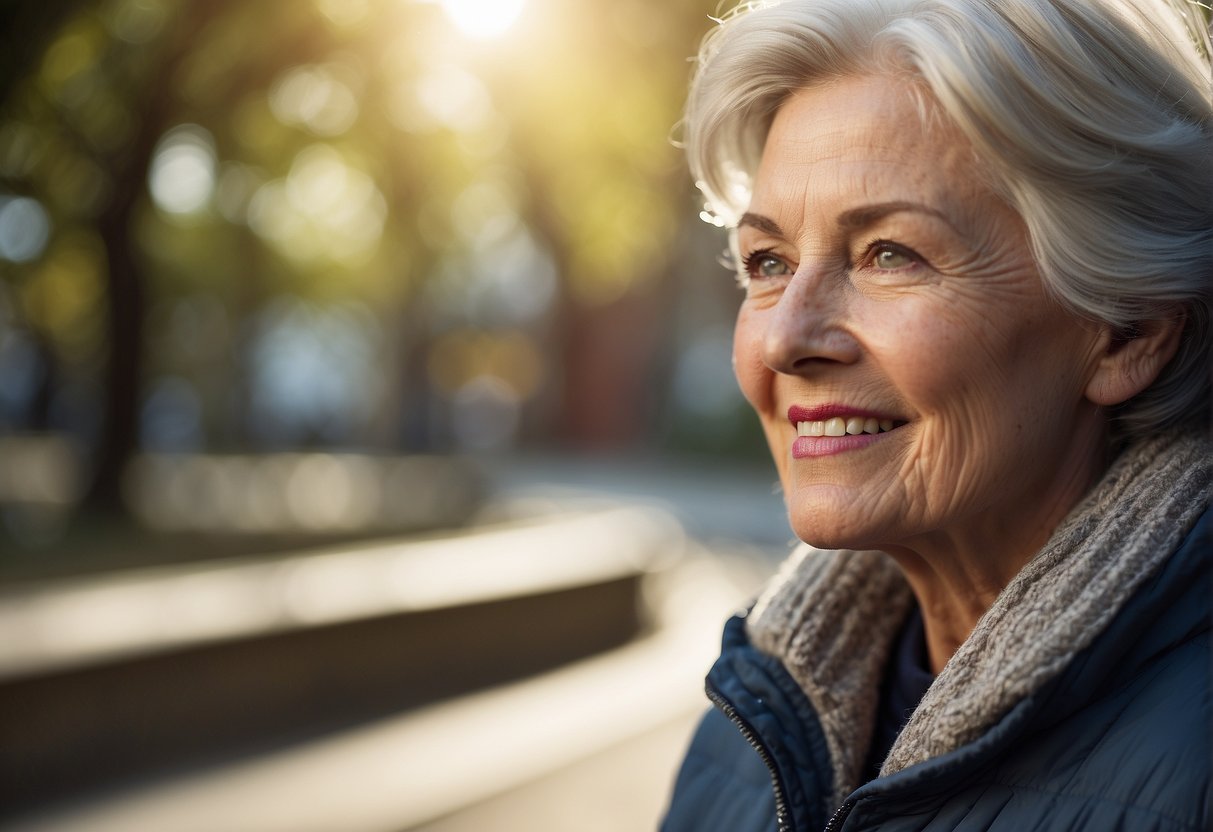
(808, 362)
(797, 338)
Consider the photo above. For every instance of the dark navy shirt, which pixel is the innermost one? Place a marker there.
(906, 679)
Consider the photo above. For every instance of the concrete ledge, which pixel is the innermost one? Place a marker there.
(65, 624)
(325, 641)
(406, 771)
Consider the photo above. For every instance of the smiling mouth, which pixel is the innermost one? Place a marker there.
(850, 426)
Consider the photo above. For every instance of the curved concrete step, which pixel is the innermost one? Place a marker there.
(435, 765)
(125, 676)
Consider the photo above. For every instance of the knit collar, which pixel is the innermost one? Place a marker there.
(831, 616)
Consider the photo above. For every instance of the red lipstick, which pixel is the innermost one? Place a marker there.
(821, 412)
(814, 446)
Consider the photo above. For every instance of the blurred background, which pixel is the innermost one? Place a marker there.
(370, 455)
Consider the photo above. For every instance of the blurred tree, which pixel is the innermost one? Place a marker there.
(485, 216)
(36, 24)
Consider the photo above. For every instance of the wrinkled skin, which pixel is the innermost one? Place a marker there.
(930, 312)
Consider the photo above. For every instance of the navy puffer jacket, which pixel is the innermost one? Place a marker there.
(1120, 739)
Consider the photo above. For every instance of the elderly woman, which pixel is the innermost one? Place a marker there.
(974, 237)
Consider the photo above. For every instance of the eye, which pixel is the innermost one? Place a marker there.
(763, 264)
(886, 256)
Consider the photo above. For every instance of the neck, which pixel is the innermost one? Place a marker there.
(957, 573)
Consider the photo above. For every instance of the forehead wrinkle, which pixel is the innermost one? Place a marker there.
(856, 192)
(853, 175)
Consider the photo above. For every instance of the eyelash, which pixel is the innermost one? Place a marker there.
(880, 244)
(749, 263)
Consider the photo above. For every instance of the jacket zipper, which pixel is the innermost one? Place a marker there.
(840, 816)
(781, 803)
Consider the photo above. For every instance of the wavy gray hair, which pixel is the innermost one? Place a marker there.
(1093, 118)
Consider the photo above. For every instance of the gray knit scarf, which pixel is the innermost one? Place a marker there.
(831, 616)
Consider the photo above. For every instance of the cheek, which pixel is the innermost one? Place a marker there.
(753, 375)
(987, 386)
(938, 356)
(950, 370)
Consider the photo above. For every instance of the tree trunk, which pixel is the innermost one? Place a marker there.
(126, 285)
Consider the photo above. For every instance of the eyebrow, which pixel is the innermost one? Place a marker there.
(853, 219)
(869, 214)
(761, 223)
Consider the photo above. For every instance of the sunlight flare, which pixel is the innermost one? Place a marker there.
(483, 18)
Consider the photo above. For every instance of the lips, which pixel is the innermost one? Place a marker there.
(839, 426)
(833, 428)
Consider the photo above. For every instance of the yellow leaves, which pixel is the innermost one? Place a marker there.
(325, 209)
(617, 228)
(73, 53)
(64, 296)
(464, 355)
(347, 135)
(591, 109)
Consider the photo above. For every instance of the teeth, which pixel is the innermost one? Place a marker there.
(838, 426)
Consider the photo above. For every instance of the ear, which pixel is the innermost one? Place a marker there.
(1130, 363)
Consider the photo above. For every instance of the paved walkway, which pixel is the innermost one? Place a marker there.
(621, 789)
(731, 504)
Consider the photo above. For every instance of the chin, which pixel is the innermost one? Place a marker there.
(825, 516)
(829, 530)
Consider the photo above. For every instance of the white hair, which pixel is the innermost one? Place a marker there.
(1093, 119)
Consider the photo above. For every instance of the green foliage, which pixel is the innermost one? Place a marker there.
(337, 153)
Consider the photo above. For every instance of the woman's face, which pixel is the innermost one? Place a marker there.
(892, 299)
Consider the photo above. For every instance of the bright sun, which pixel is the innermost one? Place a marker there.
(483, 18)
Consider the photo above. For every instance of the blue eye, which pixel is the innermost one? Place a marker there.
(885, 256)
(761, 264)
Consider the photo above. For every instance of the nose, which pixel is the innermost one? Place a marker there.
(807, 328)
